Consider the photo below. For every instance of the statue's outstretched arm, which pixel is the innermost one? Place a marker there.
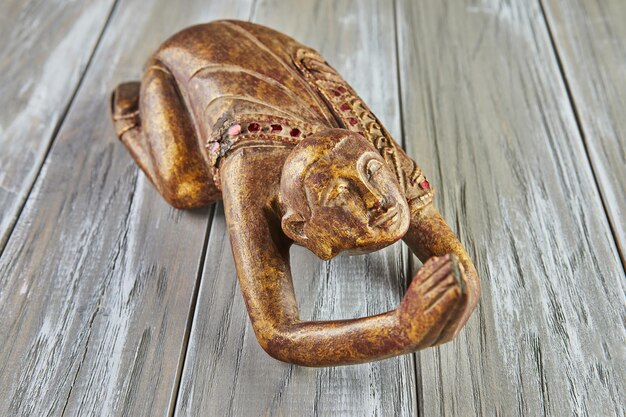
(435, 300)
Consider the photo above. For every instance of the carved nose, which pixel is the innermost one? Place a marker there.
(375, 202)
(379, 203)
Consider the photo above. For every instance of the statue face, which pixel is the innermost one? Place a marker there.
(355, 202)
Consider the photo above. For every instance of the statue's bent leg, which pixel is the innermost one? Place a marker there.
(154, 124)
(125, 113)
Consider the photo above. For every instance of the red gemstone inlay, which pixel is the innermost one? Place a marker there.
(341, 89)
(345, 107)
(425, 184)
(253, 127)
(352, 121)
(276, 128)
(337, 93)
(295, 132)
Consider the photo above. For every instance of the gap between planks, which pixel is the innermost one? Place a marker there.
(6, 235)
(192, 312)
(583, 137)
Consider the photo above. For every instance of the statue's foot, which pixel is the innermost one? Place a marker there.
(127, 121)
(125, 107)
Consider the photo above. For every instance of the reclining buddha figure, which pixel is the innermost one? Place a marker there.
(237, 112)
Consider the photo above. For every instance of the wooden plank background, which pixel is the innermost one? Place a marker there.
(113, 303)
(45, 50)
(489, 111)
(590, 42)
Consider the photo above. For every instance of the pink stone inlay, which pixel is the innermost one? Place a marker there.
(234, 130)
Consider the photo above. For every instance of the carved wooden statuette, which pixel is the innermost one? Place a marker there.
(237, 112)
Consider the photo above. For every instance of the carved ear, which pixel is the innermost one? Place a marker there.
(293, 226)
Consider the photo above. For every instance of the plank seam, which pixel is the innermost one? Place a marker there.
(191, 314)
(4, 240)
(252, 10)
(583, 136)
(410, 263)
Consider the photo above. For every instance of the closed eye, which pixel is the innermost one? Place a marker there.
(373, 166)
(337, 191)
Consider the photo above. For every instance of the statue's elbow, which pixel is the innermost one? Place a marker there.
(281, 344)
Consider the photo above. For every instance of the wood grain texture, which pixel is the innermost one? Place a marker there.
(99, 276)
(487, 115)
(45, 49)
(590, 38)
(226, 372)
(98, 279)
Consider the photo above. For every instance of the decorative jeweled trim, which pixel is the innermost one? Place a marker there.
(248, 128)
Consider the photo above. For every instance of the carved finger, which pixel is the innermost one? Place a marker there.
(433, 271)
(458, 318)
(439, 315)
(448, 290)
(433, 294)
(431, 265)
(419, 294)
(446, 300)
(436, 278)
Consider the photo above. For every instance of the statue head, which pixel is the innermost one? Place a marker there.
(339, 195)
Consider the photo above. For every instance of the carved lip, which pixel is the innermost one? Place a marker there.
(385, 219)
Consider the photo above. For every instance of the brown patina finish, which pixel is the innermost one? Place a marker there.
(237, 112)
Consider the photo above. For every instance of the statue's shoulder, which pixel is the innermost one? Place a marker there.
(194, 47)
(216, 41)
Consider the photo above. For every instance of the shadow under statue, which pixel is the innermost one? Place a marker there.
(237, 112)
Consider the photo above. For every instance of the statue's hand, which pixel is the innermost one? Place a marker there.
(434, 307)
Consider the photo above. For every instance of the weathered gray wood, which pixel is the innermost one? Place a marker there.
(45, 49)
(488, 117)
(226, 372)
(590, 37)
(98, 278)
